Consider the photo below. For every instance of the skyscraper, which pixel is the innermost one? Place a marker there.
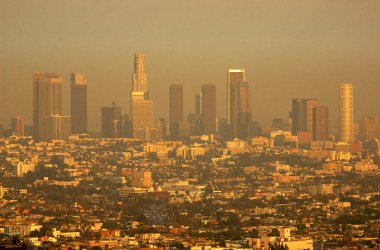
(47, 99)
(234, 76)
(321, 123)
(111, 122)
(244, 109)
(141, 107)
(346, 112)
(209, 108)
(18, 125)
(78, 103)
(302, 115)
(370, 128)
(198, 103)
(56, 127)
(175, 109)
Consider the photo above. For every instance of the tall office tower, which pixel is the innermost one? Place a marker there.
(321, 123)
(198, 103)
(18, 125)
(78, 103)
(222, 129)
(47, 99)
(111, 117)
(141, 107)
(302, 115)
(56, 127)
(370, 128)
(195, 121)
(346, 112)
(244, 109)
(209, 108)
(175, 109)
(234, 76)
(161, 128)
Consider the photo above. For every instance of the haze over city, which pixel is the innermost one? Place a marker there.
(292, 49)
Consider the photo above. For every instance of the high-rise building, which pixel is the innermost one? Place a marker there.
(195, 121)
(198, 103)
(111, 117)
(18, 125)
(321, 123)
(370, 128)
(222, 129)
(209, 108)
(346, 112)
(78, 103)
(302, 115)
(175, 109)
(244, 109)
(56, 127)
(234, 76)
(141, 106)
(161, 128)
(47, 99)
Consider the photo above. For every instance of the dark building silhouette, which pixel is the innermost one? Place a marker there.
(302, 115)
(18, 126)
(244, 109)
(78, 103)
(209, 108)
(111, 119)
(175, 109)
(234, 76)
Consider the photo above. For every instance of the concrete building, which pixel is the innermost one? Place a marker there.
(23, 168)
(142, 179)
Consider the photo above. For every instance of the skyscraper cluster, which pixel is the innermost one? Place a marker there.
(49, 122)
(308, 120)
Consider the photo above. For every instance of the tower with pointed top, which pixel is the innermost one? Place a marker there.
(141, 108)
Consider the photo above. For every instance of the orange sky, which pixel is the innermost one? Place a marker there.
(289, 49)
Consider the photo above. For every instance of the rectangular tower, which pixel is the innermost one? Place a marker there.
(346, 112)
(321, 123)
(302, 115)
(175, 109)
(233, 77)
(111, 119)
(18, 125)
(244, 109)
(47, 99)
(78, 103)
(209, 108)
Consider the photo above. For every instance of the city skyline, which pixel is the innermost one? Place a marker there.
(304, 54)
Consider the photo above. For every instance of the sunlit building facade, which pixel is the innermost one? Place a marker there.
(346, 112)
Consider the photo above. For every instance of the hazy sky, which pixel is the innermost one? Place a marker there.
(289, 49)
